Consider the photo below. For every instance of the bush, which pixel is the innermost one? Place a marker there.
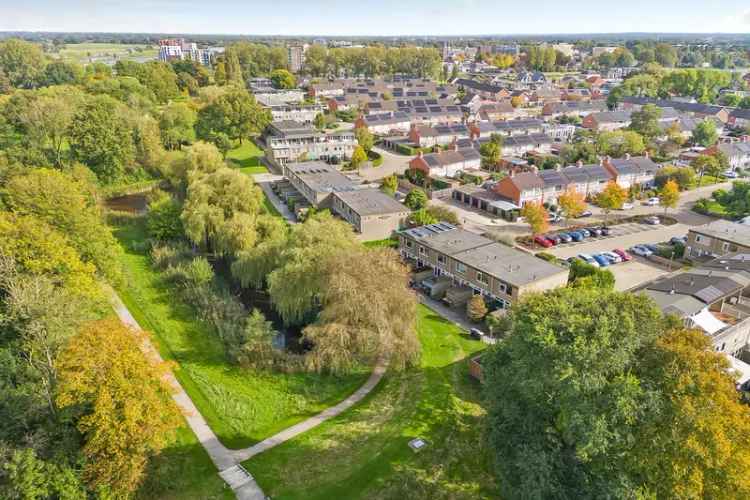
(586, 275)
(163, 221)
(547, 256)
(375, 158)
(476, 309)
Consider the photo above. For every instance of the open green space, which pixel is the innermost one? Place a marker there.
(247, 157)
(106, 52)
(387, 242)
(364, 453)
(183, 471)
(240, 405)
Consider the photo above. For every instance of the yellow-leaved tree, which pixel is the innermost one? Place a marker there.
(536, 216)
(572, 203)
(120, 401)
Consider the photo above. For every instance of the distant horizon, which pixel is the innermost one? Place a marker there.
(370, 18)
(406, 35)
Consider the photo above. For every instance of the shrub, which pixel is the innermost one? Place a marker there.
(476, 309)
(547, 256)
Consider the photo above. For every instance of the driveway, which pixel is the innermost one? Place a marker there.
(392, 164)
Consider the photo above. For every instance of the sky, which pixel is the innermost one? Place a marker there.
(376, 17)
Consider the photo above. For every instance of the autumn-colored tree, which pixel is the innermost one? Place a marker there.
(536, 217)
(706, 164)
(669, 195)
(476, 309)
(611, 198)
(120, 401)
(390, 184)
(358, 157)
(572, 202)
(698, 444)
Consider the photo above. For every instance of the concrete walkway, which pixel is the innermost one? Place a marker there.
(229, 462)
(279, 205)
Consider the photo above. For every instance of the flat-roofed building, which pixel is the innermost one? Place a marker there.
(289, 141)
(316, 181)
(374, 214)
(499, 273)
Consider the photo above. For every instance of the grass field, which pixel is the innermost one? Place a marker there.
(388, 243)
(85, 53)
(241, 406)
(183, 471)
(247, 158)
(364, 453)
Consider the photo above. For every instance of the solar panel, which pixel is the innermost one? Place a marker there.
(420, 109)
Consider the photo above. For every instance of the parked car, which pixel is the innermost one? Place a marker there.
(653, 248)
(586, 213)
(577, 236)
(613, 257)
(626, 206)
(588, 259)
(626, 257)
(731, 174)
(585, 233)
(541, 240)
(595, 231)
(553, 218)
(652, 220)
(476, 333)
(554, 238)
(605, 230)
(641, 250)
(601, 260)
(652, 202)
(565, 237)
(678, 240)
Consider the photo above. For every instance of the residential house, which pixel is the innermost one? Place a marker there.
(573, 108)
(301, 113)
(589, 180)
(500, 274)
(630, 171)
(717, 238)
(738, 153)
(740, 118)
(374, 214)
(447, 163)
(316, 181)
(494, 111)
(606, 120)
(484, 90)
(712, 298)
(385, 124)
(531, 78)
(441, 135)
(291, 141)
(692, 108)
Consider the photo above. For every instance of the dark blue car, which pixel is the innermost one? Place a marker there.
(601, 260)
(576, 236)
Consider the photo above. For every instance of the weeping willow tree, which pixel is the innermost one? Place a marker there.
(221, 211)
(357, 301)
(368, 312)
(253, 265)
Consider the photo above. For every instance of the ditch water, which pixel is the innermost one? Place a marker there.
(131, 203)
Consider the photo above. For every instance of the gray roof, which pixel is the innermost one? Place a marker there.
(502, 262)
(508, 264)
(681, 305)
(634, 165)
(370, 202)
(708, 288)
(321, 177)
(689, 107)
(726, 230)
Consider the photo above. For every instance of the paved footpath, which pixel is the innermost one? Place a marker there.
(229, 462)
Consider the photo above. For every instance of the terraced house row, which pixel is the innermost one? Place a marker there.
(462, 261)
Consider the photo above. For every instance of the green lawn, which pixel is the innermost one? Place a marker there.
(183, 471)
(106, 52)
(241, 406)
(388, 243)
(364, 452)
(247, 158)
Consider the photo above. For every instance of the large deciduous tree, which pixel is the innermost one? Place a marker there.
(100, 137)
(177, 125)
(536, 217)
(234, 113)
(121, 403)
(22, 62)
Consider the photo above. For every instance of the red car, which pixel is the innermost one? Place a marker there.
(623, 254)
(541, 240)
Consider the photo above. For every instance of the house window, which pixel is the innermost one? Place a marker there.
(409, 244)
(441, 259)
(482, 278)
(422, 251)
(698, 238)
(725, 247)
(460, 268)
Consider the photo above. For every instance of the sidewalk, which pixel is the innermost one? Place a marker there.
(455, 316)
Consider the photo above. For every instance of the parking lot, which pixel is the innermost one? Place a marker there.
(622, 236)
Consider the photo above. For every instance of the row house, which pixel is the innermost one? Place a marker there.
(500, 274)
(494, 111)
(447, 163)
(291, 141)
(301, 113)
(507, 128)
(606, 121)
(484, 90)
(740, 118)
(573, 108)
(395, 122)
(630, 171)
(440, 135)
(694, 109)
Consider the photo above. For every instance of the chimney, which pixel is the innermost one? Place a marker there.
(627, 156)
(454, 147)
(579, 163)
(646, 154)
